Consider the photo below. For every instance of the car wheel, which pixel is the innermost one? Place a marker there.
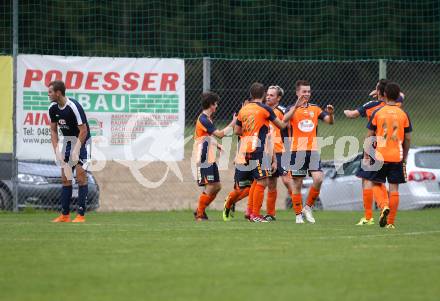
(5, 199)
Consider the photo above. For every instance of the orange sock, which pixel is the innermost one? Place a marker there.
(232, 197)
(271, 201)
(381, 196)
(297, 203)
(383, 187)
(258, 199)
(313, 195)
(368, 202)
(394, 204)
(250, 203)
(204, 201)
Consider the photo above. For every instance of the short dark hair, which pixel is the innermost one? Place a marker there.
(381, 86)
(208, 99)
(300, 83)
(392, 91)
(257, 91)
(58, 85)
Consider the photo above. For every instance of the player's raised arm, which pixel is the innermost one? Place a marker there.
(299, 102)
(352, 114)
(329, 118)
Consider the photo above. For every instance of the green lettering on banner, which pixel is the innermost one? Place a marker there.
(111, 103)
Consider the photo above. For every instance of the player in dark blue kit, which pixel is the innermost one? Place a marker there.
(67, 114)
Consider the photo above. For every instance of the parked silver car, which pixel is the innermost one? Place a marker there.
(343, 190)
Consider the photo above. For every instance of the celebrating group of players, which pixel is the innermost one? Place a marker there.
(282, 142)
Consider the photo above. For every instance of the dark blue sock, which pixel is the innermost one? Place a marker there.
(82, 196)
(66, 195)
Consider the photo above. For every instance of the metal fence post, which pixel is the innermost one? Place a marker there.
(382, 69)
(14, 117)
(206, 74)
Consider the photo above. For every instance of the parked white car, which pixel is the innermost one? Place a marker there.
(343, 191)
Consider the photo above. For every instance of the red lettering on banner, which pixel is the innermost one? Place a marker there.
(168, 82)
(147, 81)
(29, 119)
(45, 119)
(32, 75)
(70, 75)
(110, 81)
(52, 75)
(130, 82)
(91, 78)
(37, 119)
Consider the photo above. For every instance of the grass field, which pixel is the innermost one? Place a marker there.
(167, 256)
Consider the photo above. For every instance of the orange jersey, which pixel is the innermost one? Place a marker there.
(367, 109)
(390, 124)
(277, 139)
(304, 126)
(204, 144)
(254, 120)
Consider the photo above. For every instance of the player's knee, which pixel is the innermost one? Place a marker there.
(217, 187)
(317, 181)
(272, 184)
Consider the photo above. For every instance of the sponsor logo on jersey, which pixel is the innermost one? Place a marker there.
(306, 125)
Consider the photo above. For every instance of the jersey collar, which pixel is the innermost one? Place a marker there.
(65, 105)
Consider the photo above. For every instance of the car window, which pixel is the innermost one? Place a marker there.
(428, 159)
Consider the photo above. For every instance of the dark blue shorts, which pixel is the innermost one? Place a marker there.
(304, 162)
(394, 172)
(365, 174)
(281, 167)
(207, 173)
(256, 167)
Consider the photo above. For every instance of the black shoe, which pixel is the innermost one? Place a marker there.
(232, 210)
(203, 217)
(270, 218)
(383, 217)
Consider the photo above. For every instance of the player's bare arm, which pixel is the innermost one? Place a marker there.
(82, 136)
(330, 119)
(300, 101)
(352, 114)
(406, 145)
(54, 140)
(228, 129)
(274, 165)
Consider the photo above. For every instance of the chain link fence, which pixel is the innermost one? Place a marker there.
(346, 85)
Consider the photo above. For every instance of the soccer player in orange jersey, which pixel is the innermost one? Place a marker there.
(391, 127)
(273, 98)
(241, 186)
(204, 150)
(253, 127)
(367, 186)
(366, 110)
(305, 157)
